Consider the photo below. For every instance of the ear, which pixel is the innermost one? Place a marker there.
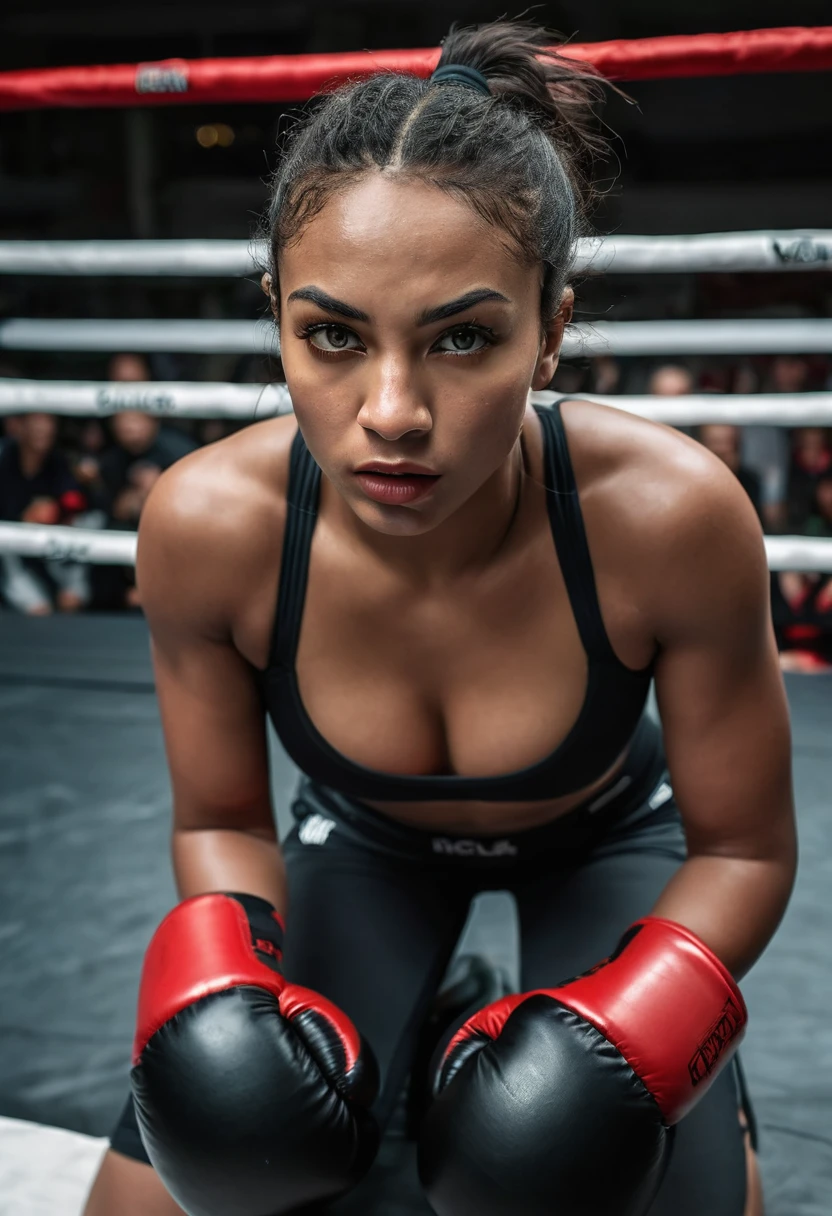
(549, 355)
(266, 285)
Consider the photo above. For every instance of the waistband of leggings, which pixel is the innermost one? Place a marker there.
(640, 787)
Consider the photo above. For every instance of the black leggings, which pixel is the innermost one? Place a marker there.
(376, 909)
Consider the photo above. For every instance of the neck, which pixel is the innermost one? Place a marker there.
(467, 542)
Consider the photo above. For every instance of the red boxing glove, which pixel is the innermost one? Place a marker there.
(252, 1094)
(535, 1086)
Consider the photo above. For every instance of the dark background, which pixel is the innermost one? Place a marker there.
(713, 154)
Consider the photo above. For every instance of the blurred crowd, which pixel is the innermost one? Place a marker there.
(85, 473)
(94, 473)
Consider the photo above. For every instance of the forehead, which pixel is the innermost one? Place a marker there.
(402, 236)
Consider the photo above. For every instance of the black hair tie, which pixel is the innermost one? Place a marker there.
(458, 73)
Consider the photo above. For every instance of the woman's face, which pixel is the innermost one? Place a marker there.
(410, 336)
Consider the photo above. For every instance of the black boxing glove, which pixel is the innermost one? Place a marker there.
(252, 1094)
(559, 1102)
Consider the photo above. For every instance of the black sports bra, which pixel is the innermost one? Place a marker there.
(615, 694)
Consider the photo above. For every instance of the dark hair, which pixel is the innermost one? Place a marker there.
(519, 157)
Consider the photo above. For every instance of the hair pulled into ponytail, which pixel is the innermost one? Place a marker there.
(521, 157)
(522, 66)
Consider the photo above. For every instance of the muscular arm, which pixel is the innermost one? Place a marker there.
(214, 728)
(726, 726)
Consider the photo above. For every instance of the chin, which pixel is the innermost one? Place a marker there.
(396, 521)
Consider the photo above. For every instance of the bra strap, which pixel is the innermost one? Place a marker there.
(567, 523)
(301, 517)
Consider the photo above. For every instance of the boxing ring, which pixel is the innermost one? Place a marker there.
(84, 804)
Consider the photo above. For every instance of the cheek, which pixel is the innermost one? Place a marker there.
(491, 403)
(316, 385)
(322, 406)
(477, 436)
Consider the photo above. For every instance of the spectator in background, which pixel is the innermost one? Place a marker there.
(569, 379)
(670, 380)
(89, 440)
(805, 619)
(9, 423)
(819, 522)
(36, 486)
(86, 444)
(605, 376)
(788, 374)
(141, 450)
(723, 440)
(766, 448)
(745, 379)
(811, 459)
(142, 447)
(129, 369)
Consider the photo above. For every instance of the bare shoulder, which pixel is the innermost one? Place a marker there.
(211, 521)
(663, 511)
(661, 473)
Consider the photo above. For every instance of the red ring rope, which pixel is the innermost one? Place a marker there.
(297, 77)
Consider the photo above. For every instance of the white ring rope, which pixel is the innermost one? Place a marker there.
(69, 544)
(164, 398)
(185, 337)
(697, 338)
(757, 409)
(119, 548)
(252, 402)
(809, 553)
(792, 249)
(657, 338)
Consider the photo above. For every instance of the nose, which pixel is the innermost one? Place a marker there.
(394, 407)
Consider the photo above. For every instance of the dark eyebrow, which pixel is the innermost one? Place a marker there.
(442, 311)
(431, 315)
(327, 303)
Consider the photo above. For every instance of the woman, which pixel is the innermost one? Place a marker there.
(472, 600)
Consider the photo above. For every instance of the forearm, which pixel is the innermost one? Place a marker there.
(733, 904)
(211, 859)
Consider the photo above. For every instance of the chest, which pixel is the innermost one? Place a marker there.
(481, 678)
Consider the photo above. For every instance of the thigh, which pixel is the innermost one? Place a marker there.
(374, 934)
(574, 915)
(571, 919)
(126, 1187)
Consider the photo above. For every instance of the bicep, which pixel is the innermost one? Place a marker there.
(724, 710)
(212, 716)
(215, 734)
